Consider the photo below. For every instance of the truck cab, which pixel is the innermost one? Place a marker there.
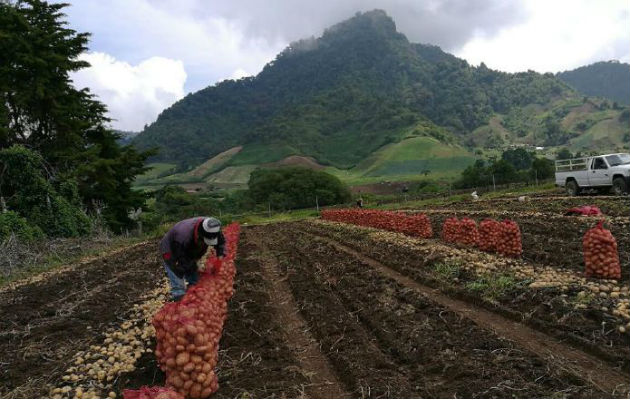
(602, 173)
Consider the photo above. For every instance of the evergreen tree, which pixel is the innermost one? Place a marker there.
(41, 110)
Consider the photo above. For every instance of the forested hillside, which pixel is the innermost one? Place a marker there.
(362, 84)
(609, 79)
(353, 99)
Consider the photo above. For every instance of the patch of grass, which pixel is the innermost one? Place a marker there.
(215, 163)
(232, 175)
(413, 155)
(585, 298)
(156, 170)
(54, 260)
(493, 286)
(447, 271)
(262, 219)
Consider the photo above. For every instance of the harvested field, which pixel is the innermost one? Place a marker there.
(332, 310)
(613, 206)
(548, 239)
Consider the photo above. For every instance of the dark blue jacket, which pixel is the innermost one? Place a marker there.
(182, 246)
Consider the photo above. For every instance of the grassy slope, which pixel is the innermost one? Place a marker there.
(405, 161)
(402, 161)
(233, 175)
(262, 154)
(156, 169)
(605, 133)
(215, 163)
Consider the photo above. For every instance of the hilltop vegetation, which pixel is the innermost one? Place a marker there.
(603, 79)
(347, 97)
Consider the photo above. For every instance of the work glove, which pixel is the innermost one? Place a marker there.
(217, 263)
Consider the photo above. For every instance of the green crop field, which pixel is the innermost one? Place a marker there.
(261, 154)
(232, 175)
(156, 170)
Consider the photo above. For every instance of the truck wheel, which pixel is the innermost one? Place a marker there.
(572, 188)
(619, 186)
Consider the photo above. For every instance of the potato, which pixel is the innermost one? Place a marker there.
(177, 382)
(195, 391)
(182, 358)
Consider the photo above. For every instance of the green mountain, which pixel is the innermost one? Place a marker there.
(610, 79)
(353, 97)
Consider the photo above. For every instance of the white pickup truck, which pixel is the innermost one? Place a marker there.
(602, 173)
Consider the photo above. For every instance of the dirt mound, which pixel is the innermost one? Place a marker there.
(297, 161)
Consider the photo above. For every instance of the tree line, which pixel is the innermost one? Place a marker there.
(278, 189)
(61, 166)
(515, 165)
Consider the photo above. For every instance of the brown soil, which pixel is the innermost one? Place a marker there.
(45, 323)
(543, 309)
(297, 161)
(323, 381)
(559, 354)
(382, 335)
(254, 358)
(309, 318)
(612, 206)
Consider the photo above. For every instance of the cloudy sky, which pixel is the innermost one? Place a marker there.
(147, 54)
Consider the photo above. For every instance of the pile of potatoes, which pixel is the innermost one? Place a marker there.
(94, 371)
(601, 259)
(188, 332)
(489, 230)
(468, 234)
(450, 230)
(510, 243)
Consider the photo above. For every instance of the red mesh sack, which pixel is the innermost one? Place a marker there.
(422, 226)
(509, 243)
(489, 233)
(584, 210)
(414, 225)
(188, 332)
(601, 259)
(450, 230)
(153, 392)
(468, 234)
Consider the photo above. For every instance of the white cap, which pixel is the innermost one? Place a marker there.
(211, 225)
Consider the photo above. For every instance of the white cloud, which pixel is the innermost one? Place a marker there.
(558, 35)
(134, 94)
(239, 73)
(211, 47)
(227, 39)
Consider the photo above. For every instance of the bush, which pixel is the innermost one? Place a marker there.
(296, 187)
(12, 223)
(30, 194)
(426, 187)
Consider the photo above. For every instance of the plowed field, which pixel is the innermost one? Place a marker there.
(332, 310)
